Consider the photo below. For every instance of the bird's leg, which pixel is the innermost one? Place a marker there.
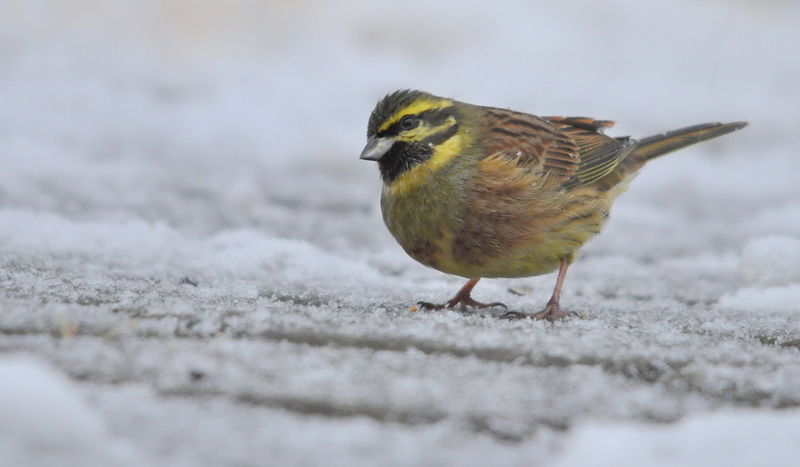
(462, 297)
(552, 311)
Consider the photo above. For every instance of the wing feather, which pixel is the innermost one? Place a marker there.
(572, 150)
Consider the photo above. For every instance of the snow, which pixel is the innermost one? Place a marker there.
(45, 421)
(771, 261)
(194, 269)
(768, 299)
(731, 438)
(770, 270)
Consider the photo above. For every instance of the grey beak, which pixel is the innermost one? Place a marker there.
(376, 148)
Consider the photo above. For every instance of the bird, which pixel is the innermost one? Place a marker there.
(485, 192)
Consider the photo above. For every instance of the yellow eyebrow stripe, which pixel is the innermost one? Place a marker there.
(424, 131)
(416, 107)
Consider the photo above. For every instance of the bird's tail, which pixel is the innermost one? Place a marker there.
(665, 143)
(658, 145)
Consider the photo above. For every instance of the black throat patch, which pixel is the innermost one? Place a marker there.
(404, 155)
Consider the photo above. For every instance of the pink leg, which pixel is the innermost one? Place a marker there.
(552, 311)
(462, 297)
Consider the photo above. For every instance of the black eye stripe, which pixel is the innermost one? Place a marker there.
(440, 137)
(434, 118)
(393, 130)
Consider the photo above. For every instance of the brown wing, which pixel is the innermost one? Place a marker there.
(585, 123)
(531, 142)
(599, 154)
(572, 149)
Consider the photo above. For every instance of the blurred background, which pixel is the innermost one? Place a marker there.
(187, 233)
(209, 114)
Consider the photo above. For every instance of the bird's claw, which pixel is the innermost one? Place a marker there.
(551, 313)
(430, 306)
(464, 301)
(475, 304)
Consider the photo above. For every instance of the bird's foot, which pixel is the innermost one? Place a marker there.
(551, 313)
(462, 298)
(459, 300)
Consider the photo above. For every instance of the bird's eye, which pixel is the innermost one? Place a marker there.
(408, 122)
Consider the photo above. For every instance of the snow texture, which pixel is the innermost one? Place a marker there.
(194, 269)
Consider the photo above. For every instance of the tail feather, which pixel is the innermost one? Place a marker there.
(658, 145)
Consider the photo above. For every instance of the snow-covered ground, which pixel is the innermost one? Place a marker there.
(194, 270)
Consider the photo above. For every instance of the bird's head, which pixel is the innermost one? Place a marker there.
(412, 128)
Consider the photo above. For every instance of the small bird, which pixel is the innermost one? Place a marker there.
(486, 192)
